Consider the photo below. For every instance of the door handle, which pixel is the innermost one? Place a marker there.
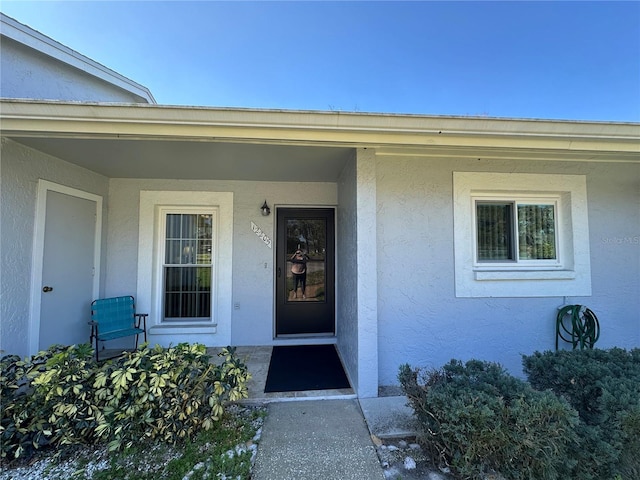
(279, 272)
(47, 289)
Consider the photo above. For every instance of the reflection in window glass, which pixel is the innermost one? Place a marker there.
(306, 251)
(536, 232)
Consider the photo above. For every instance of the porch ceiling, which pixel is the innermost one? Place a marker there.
(185, 160)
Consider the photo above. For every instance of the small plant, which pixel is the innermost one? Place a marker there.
(476, 418)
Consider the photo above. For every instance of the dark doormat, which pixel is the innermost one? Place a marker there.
(305, 367)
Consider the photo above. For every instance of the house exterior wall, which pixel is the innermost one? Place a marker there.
(20, 170)
(367, 292)
(347, 271)
(26, 73)
(420, 319)
(253, 260)
(357, 333)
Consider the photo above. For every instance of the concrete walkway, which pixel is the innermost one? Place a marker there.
(316, 439)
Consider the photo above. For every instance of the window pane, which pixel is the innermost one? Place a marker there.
(189, 225)
(173, 225)
(536, 232)
(494, 231)
(204, 226)
(204, 252)
(188, 252)
(172, 252)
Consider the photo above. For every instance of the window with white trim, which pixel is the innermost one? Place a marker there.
(152, 243)
(187, 260)
(520, 235)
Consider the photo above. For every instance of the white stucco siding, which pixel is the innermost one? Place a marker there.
(367, 274)
(614, 221)
(20, 170)
(347, 268)
(420, 320)
(26, 73)
(357, 283)
(252, 265)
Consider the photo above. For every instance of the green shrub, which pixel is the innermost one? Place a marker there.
(166, 393)
(476, 418)
(45, 399)
(604, 387)
(62, 396)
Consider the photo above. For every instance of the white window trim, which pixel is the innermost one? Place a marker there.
(571, 276)
(149, 285)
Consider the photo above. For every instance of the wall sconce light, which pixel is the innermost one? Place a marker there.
(265, 209)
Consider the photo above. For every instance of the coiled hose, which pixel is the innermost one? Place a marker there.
(584, 328)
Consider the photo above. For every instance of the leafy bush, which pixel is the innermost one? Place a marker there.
(166, 393)
(477, 418)
(62, 396)
(604, 387)
(44, 399)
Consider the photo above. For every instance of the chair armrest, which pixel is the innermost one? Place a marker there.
(141, 317)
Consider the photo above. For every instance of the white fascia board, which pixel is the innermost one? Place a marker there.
(389, 134)
(41, 43)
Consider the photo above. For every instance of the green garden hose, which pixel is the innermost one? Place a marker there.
(584, 328)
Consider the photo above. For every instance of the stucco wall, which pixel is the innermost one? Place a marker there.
(25, 73)
(20, 170)
(253, 280)
(347, 268)
(420, 319)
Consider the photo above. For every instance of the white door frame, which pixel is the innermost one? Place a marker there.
(37, 261)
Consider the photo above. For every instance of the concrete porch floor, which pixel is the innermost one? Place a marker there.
(257, 359)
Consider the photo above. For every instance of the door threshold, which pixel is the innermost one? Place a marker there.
(304, 340)
(344, 394)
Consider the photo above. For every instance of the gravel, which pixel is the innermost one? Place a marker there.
(82, 461)
(403, 459)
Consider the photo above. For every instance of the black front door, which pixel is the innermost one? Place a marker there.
(305, 272)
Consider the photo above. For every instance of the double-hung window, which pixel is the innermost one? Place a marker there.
(520, 235)
(516, 231)
(187, 264)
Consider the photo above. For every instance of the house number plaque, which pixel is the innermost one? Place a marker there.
(261, 235)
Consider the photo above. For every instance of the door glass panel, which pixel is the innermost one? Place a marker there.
(306, 260)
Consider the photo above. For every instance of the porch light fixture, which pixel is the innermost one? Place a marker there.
(265, 209)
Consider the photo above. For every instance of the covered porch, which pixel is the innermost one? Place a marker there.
(123, 154)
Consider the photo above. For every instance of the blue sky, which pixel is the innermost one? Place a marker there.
(560, 60)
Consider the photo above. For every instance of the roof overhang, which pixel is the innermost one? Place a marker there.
(64, 126)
